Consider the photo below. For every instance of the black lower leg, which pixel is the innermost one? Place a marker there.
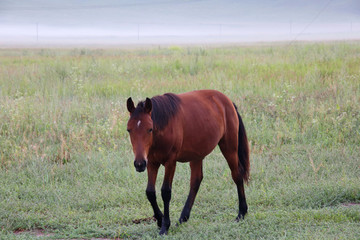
(195, 181)
(166, 196)
(151, 196)
(185, 214)
(243, 208)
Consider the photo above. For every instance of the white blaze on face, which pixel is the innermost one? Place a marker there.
(138, 123)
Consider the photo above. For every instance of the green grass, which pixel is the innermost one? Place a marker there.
(66, 165)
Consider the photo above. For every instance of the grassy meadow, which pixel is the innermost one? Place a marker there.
(66, 165)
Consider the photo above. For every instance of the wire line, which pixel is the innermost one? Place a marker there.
(311, 22)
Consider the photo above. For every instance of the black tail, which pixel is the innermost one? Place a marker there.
(243, 149)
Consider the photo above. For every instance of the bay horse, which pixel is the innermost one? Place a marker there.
(186, 127)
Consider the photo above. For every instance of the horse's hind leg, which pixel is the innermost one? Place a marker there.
(229, 150)
(195, 180)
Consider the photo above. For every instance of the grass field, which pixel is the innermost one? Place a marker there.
(66, 165)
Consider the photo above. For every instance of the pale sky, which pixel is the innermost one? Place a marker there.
(153, 21)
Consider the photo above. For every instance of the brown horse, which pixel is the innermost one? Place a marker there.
(185, 128)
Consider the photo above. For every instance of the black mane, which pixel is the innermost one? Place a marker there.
(164, 107)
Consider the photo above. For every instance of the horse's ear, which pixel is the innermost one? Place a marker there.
(148, 105)
(130, 105)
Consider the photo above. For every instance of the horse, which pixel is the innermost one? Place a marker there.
(186, 127)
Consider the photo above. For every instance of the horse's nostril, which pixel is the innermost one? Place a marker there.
(140, 165)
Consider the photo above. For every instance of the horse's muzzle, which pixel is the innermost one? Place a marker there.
(140, 165)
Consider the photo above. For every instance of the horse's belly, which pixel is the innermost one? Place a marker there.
(197, 148)
(187, 156)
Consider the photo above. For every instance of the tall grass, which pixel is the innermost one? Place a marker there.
(66, 162)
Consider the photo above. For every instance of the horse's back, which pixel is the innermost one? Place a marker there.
(206, 102)
(204, 122)
(204, 98)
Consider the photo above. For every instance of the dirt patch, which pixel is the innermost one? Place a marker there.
(144, 220)
(36, 232)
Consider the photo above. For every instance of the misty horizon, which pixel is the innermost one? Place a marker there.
(111, 22)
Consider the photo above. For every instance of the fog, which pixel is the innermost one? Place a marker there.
(110, 22)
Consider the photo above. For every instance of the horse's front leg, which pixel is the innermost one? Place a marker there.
(166, 195)
(152, 170)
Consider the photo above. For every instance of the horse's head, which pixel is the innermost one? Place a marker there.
(140, 128)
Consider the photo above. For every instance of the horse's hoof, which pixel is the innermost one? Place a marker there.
(164, 228)
(163, 231)
(177, 224)
(183, 219)
(239, 218)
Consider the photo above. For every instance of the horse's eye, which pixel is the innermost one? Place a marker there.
(128, 130)
(150, 130)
